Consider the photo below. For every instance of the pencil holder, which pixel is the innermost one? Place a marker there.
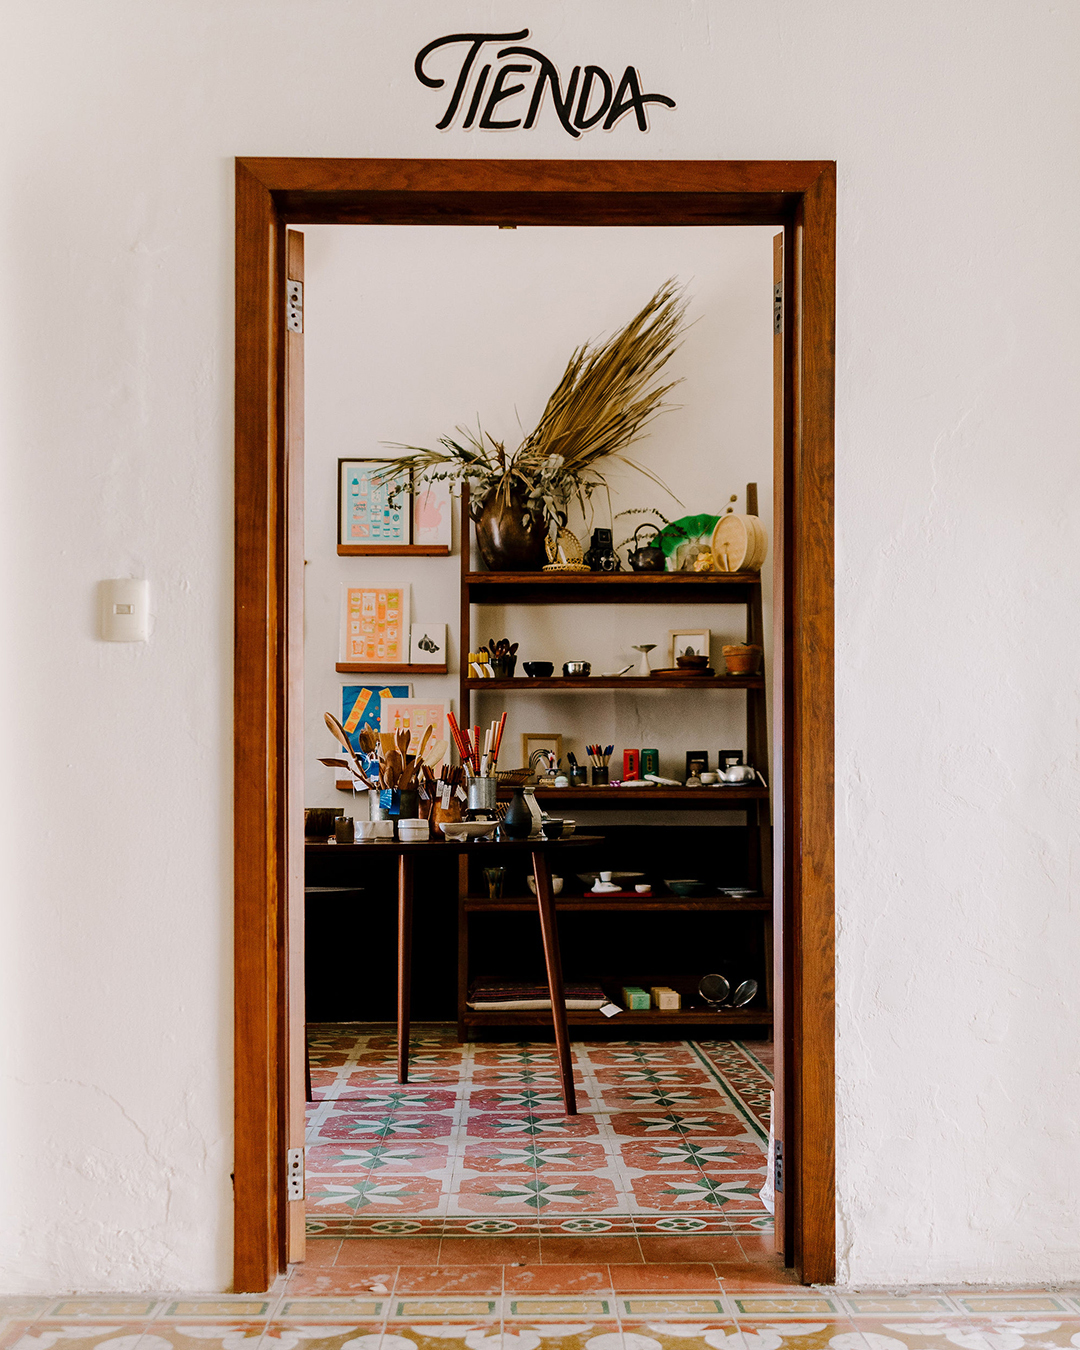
(579, 775)
(600, 776)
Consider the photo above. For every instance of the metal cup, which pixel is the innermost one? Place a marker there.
(483, 795)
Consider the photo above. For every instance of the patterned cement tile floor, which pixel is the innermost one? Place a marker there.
(670, 1140)
(602, 1318)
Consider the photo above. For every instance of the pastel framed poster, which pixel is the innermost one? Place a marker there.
(374, 626)
(371, 518)
(431, 518)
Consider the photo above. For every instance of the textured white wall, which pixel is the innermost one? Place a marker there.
(954, 130)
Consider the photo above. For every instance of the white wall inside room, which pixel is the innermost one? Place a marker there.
(958, 511)
(412, 331)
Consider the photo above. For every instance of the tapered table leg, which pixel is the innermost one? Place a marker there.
(404, 962)
(549, 932)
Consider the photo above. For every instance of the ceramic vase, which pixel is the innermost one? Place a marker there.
(518, 821)
(509, 536)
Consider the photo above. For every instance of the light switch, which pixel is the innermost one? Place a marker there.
(125, 610)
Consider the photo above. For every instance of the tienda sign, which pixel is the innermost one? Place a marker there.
(488, 94)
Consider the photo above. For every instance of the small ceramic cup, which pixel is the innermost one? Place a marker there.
(552, 829)
(365, 830)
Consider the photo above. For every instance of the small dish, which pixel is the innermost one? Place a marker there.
(576, 670)
(538, 670)
(645, 889)
(685, 886)
(553, 828)
(464, 830)
(556, 885)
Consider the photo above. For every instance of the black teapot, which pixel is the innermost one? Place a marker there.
(647, 557)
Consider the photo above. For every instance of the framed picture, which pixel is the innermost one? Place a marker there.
(427, 645)
(531, 741)
(415, 715)
(431, 515)
(694, 642)
(361, 706)
(368, 521)
(375, 625)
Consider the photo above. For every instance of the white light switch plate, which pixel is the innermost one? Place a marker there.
(125, 610)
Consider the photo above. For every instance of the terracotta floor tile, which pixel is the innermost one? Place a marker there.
(758, 1247)
(552, 1279)
(689, 1278)
(450, 1280)
(772, 1274)
(409, 1251)
(339, 1279)
(590, 1251)
(492, 1251)
(320, 1252)
(687, 1247)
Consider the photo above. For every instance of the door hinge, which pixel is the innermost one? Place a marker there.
(778, 307)
(294, 306)
(778, 1166)
(294, 1174)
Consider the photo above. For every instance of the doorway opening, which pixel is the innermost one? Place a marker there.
(270, 787)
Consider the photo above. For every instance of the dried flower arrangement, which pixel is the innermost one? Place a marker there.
(607, 397)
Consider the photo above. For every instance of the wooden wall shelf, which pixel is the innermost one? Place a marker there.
(581, 903)
(394, 550)
(610, 588)
(645, 1018)
(352, 668)
(635, 683)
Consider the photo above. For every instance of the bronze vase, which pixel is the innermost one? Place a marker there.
(505, 541)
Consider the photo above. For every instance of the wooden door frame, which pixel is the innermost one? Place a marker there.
(801, 197)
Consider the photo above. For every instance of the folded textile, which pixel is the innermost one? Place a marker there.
(494, 995)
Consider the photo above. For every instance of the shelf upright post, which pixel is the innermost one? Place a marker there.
(465, 630)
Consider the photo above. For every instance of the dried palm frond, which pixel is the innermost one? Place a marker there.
(608, 396)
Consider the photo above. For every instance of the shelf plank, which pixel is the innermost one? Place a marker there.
(360, 668)
(715, 798)
(394, 550)
(649, 1017)
(607, 588)
(634, 682)
(672, 904)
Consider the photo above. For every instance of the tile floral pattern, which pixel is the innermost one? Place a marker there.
(671, 1138)
(600, 1319)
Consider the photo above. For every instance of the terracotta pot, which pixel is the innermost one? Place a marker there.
(742, 658)
(505, 542)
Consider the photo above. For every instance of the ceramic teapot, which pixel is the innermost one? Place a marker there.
(649, 556)
(737, 773)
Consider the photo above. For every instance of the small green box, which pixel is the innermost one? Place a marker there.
(636, 999)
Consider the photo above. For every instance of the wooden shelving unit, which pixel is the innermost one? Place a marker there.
(554, 588)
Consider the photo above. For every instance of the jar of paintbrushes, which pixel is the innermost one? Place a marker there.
(600, 755)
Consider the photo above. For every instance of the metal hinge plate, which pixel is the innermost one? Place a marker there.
(294, 1174)
(778, 307)
(294, 306)
(778, 1166)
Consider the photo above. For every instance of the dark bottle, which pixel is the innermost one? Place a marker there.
(518, 821)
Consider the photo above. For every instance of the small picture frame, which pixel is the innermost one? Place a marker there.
(373, 516)
(531, 741)
(427, 644)
(726, 758)
(696, 757)
(687, 642)
(431, 515)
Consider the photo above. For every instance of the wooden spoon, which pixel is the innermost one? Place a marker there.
(427, 735)
(394, 768)
(436, 752)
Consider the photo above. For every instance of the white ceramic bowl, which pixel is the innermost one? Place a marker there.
(556, 885)
(468, 829)
(413, 831)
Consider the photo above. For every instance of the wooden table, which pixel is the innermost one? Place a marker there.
(545, 903)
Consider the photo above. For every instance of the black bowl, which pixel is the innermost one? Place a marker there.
(538, 670)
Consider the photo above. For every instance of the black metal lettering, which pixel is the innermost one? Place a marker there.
(631, 85)
(548, 75)
(476, 40)
(580, 119)
(478, 94)
(498, 93)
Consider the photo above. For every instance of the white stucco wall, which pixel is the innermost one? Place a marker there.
(954, 131)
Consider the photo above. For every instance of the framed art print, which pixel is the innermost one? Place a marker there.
(415, 715)
(428, 644)
(368, 520)
(687, 642)
(431, 516)
(375, 625)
